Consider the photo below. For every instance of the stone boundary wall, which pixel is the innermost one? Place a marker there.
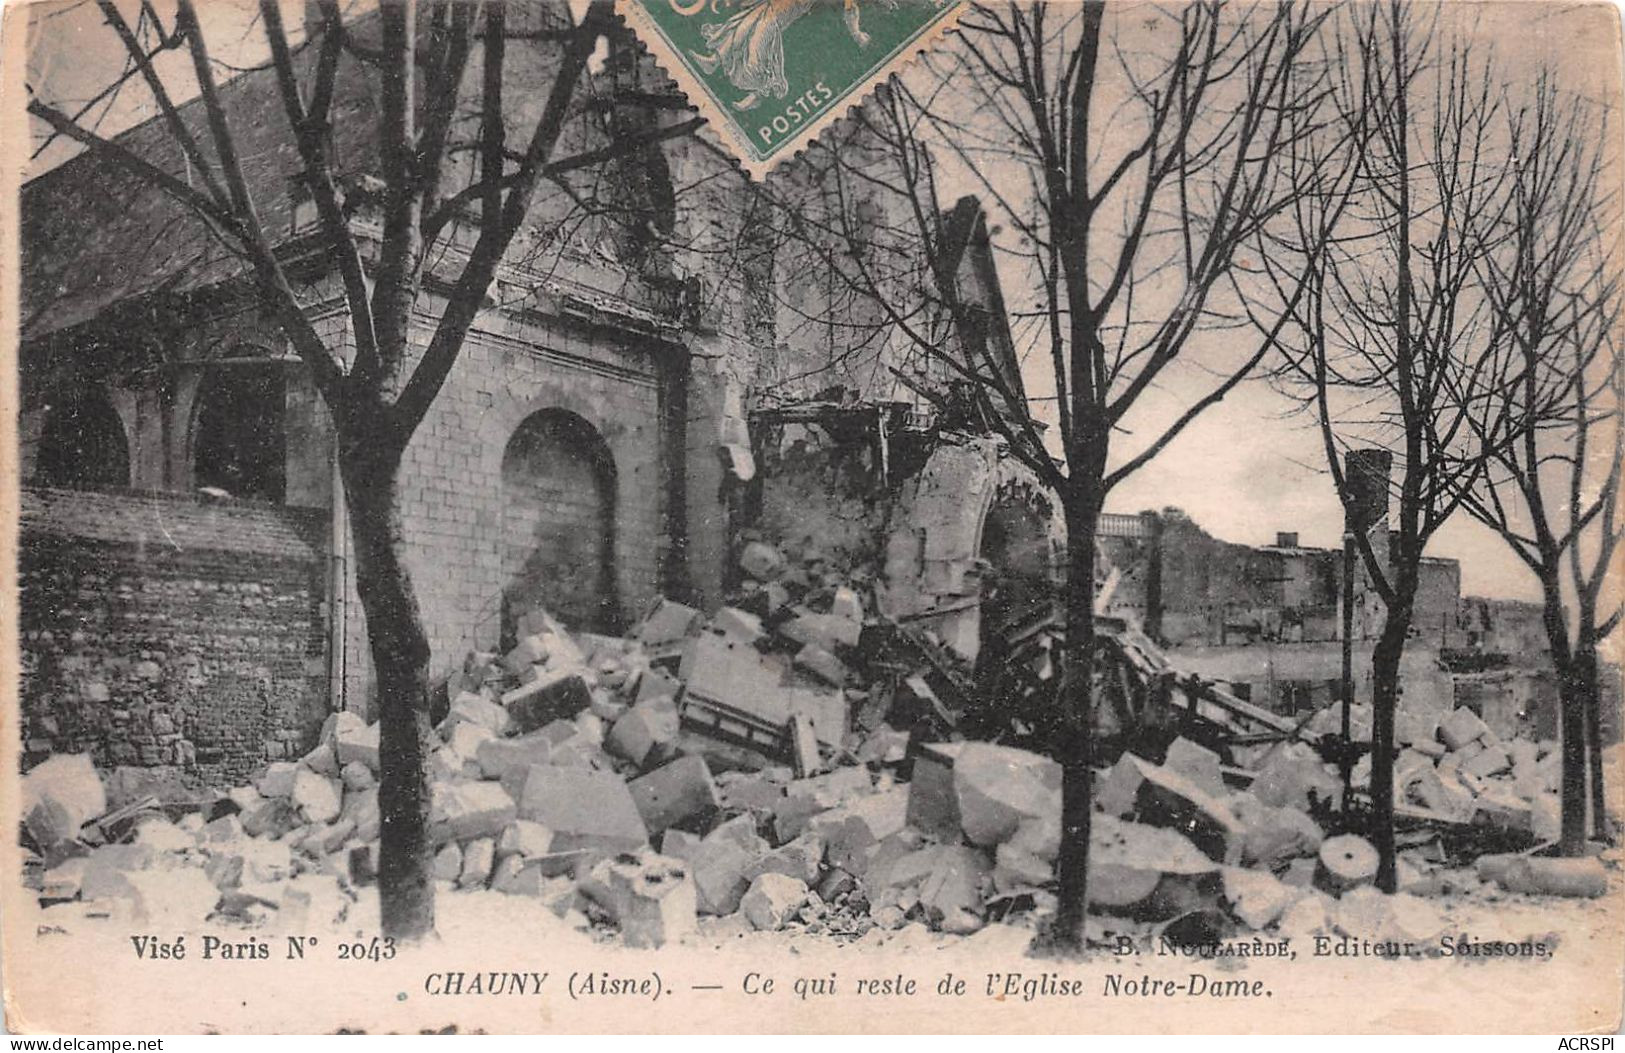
(180, 642)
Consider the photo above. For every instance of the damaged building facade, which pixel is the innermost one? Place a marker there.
(188, 598)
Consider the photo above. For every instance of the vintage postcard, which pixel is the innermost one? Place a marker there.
(560, 516)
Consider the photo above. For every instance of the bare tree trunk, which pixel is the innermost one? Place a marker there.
(1592, 702)
(1571, 740)
(1076, 738)
(1571, 724)
(400, 655)
(1571, 720)
(1385, 658)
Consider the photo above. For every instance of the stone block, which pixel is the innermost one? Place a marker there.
(804, 755)
(933, 806)
(1016, 869)
(464, 739)
(1461, 727)
(1424, 785)
(496, 757)
(1166, 798)
(1292, 777)
(682, 791)
(448, 863)
(739, 625)
(952, 894)
(322, 760)
(1273, 835)
(821, 664)
(552, 696)
(1145, 870)
(277, 779)
(666, 623)
(244, 797)
(657, 683)
(651, 897)
(460, 811)
(317, 796)
(772, 900)
(272, 817)
(1500, 809)
(804, 798)
(741, 831)
(59, 795)
(827, 631)
(1487, 762)
(525, 838)
(802, 859)
(473, 708)
(1198, 764)
(585, 809)
(357, 776)
(1040, 836)
(718, 868)
(996, 787)
(1256, 897)
(357, 744)
(754, 791)
(647, 734)
(336, 725)
(479, 856)
(530, 650)
(219, 831)
(852, 831)
(508, 875)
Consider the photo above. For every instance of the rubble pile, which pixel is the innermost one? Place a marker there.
(1456, 769)
(705, 772)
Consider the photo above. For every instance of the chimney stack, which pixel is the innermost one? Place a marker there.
(1366, 472)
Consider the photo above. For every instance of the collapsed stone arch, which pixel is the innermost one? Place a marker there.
(974, 533)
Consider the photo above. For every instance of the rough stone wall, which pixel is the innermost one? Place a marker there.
(824, 493)
(182, 638)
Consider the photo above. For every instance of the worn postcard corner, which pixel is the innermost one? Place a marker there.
(771, 75)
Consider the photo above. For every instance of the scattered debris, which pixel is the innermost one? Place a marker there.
(801, 761)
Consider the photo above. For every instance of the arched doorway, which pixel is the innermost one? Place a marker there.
(558, 518)
(239, 434)
(1019, 576)
(82, 445)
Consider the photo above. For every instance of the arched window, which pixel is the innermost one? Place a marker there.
(239, 438)
(558, 500)
(82, 445)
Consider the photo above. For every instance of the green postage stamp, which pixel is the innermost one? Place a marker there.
(770, 74)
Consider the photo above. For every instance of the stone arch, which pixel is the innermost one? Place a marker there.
(82, 443)
(237, 436)
(940, 541)
(557, 532)
(1019, 558)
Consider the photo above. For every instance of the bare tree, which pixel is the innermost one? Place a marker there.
(1392, 324)
(1128, 154)
(456, 148)
(1545, 404)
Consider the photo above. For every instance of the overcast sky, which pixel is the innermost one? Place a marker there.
(1244, 471)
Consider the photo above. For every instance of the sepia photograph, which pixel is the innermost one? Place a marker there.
(813, 516)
